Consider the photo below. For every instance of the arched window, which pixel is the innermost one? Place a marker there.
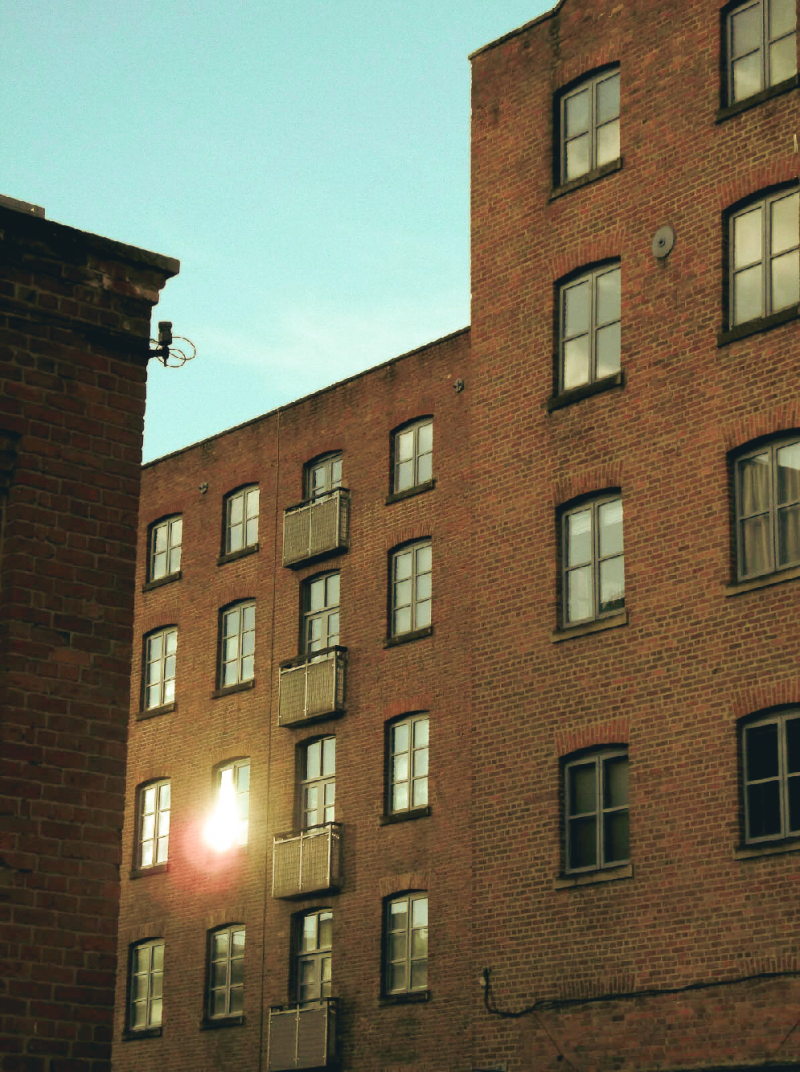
(771, 775)
(596, 809)
(226, 972)
(593, 562)
(237, 644)
(160, 656)
(241, 520)
(406, 955)
(407, 774)
(314, 942)
(318, 782)
(767, 493)
(321, 618)
(145, 1007)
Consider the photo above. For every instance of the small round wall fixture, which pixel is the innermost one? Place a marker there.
(663, 241)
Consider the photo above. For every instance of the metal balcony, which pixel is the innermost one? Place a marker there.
(302, 1036)
(316, 527)
(312, 687)
(309, 862)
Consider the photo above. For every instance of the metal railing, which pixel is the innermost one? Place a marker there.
(312, 686)
(316, 527)
(302, 1036)
(308, 862)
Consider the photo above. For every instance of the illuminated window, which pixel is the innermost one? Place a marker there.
(413, 455)
(241, 520)
(238, 644)
(165, 548)
(408, 764)
(407, 943)
(315, 936)
(159, 675)
(226, 972)
(411, 588)
(154, 811)
(146, 985)
(318, 784)
(233, 782)
(590, 125)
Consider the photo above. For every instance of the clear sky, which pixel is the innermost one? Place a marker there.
(307, 162)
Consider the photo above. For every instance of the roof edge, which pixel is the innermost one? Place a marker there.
(514, 33)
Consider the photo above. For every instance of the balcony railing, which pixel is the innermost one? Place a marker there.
(309, 862)
(302, 1036)
(312, 687)
(316, 527)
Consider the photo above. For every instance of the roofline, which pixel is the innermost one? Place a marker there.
(305, 398)
(514, 33)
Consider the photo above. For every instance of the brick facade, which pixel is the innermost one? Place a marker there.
(676, 951)
(74, 329)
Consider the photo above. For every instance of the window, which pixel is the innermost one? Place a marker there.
(241, 520)
(407, 943)
(146, 985)
(159, 676)
(165, 548)
(771, 752)
(408, 764)
(238, 645)
(314, 955)
(324, 475)
(413, 455)
(411, 588)
(762, 50)
(594, 563)
(589, 316)
(318, 784)
(321, 629)
(233, 782)
(596, 793)
(768, 508)
(765, 257)
(154, 808)
(590, 125)
(226, 972)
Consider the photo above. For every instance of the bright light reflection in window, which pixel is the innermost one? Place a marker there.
(222, 829)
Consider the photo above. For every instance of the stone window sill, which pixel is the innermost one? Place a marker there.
(145, 872)
(243, 686)
(404, 816)
(766, 848)
(591, 878)
(755, 327)
(758, 98)
(409, 493)
(234, 556)
(208, 1024)
(154, 712)
(414, 997)
(584, 629)
(406, 638)
(762, 582)
(151, 585)
(586, 390)
(584, 180)
(129, 1035)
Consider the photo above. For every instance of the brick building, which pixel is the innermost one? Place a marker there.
(74, 330)
(600, 866)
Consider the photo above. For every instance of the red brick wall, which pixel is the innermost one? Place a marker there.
(74, 325)
(690, 661)
(201, 890)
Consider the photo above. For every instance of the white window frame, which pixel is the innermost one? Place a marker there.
(786, 782)
(767, 258)
(602, 810)
(164, 545)
(160, 658)
(228, 988)
(419, 602)
(590, 278)
(154, 802)
(319, 957)
(149, 993)
(323, 784)
(244, 531)
(408, 767)
(596, 561)
(237, 771)
(591, 85)
(406, 946)
(419, 456)
(325, 614)
(237, 645)
(767, 40)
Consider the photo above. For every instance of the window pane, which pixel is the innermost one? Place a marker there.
(612, 584)
(423, 615)
(405, 476)
(761, 743)
(425, 468)
(332, 590)
(400, 772)
(237, 972)
(747, 76)
(747, 238)
(397, 946)
(579, 537)
(608, 143)
(608, 343)
(764, 811)
(756, 551)
(782, 17)
(577, 304)
(423, 559)
(219, 974)
(609, 518)
(789, 536)
(793, 791)
(405, 445)
(421, 727)
(785, 281)
(788, 462)
(325, 930)
(231, 624)
(400, 797)
(615, 791)
(237, 1001)
(420, 762)
(218, 1003)
(420, 793)
(397, 977)
(419, 975)
(793, 745)
(419, 912)
(237, 938)
(615, 846)
(582, 843)
(785, 223)
(316, 594)
(419, 943)
(137, 1017)
(158, 957)
(578, 156)
(402, 620)
(329, 756)
(754, 484)
(608, 297)
(220, 941)
(576, 362)
(423, 587)
(580, 596)
(782, 60)
(746, 29)
(582, 788)
(577, 112)
(402, 565)
(402, 593)
(748, 297)
(608, 99)
(400, 738)
(425, 438)
(236, 508)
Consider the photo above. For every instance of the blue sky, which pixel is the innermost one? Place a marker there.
(308, 164)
